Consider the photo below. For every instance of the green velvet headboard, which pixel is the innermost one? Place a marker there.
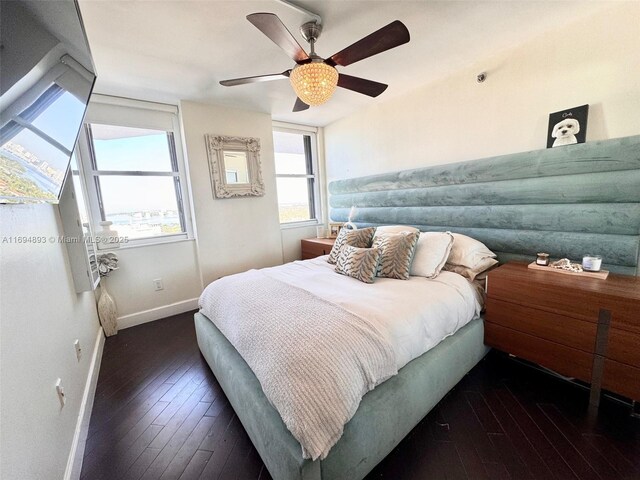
(567, 201)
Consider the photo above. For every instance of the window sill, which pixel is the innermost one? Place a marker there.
(148, 242)
(303, 224)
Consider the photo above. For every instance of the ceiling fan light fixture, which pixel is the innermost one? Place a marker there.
(314, 82)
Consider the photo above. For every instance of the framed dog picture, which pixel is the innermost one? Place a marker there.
(334, 229)
(568, 127)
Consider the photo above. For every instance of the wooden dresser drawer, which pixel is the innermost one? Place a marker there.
(573, 303)
(560, 358)
(557, 328)
(315, 247)
(576, 297)
(625, 314)
(622, 379)
(624, 347)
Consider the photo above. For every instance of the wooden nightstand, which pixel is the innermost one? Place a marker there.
(580, 327)
(314, 247)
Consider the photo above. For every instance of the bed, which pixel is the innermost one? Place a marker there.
(438, 316)
(569, 201)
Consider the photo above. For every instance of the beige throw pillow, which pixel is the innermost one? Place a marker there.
(359, 263)
(360, 238)
(395, 229)
(432, 251)
(479, 272)
(467, 251)
(396, 254)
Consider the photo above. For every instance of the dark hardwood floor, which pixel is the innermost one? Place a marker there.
(160, 414)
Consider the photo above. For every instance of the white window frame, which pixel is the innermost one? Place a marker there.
(124, 112)
(315, 174)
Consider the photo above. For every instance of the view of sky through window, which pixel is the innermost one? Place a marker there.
(51, 120)
(293, 192)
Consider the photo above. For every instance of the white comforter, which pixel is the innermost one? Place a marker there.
(418, 313)
(313, 359)
(348, 335)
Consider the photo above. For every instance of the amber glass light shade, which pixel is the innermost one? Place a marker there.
(314, 83)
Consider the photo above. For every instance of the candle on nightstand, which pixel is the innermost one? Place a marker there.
(591, 263)
(543, 259)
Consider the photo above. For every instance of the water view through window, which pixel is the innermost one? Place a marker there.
(138, 180)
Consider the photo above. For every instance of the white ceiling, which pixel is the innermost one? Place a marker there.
(166, 51)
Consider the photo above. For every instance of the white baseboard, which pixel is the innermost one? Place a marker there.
(74, 462)
(152, 314)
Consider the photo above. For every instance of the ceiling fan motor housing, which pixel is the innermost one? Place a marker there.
(311, 31)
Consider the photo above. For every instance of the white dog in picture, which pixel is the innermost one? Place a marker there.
(565, 131)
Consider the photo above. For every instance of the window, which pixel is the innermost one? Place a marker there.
(36, 146)
(296, 178)
(133, 173)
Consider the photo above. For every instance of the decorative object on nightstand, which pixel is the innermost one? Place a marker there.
(542, 259)
(591, 263)
(315, 247)
(350, 225)
(334, 229)
(107, 309)
(321, 231)
(580, 327)
(566, 266)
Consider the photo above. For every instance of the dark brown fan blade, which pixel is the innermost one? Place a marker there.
(361, 85)
(391, 36)
(259, 78)
(272, 27)
(300, 105)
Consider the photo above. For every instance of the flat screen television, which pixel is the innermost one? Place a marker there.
(46, 79)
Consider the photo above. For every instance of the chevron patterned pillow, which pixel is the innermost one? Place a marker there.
(396, 253)
(359, 263)
(360, 238)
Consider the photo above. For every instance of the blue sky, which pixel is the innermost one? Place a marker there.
(129, 149)
(61, 122)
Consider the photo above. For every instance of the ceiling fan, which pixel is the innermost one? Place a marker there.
(314, 79)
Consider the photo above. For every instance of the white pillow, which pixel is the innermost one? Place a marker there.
(468, 252)
(395, 229)
(431, 254)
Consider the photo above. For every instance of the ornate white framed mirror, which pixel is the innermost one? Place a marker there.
(234, 165)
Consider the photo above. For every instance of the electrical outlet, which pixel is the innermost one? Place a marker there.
(158, 284)
(78, 348)
(60, 391)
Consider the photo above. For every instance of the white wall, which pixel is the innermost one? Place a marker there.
(291, 237)
(234, 234)
(40, 317)
(133, 288)
(595, 61)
